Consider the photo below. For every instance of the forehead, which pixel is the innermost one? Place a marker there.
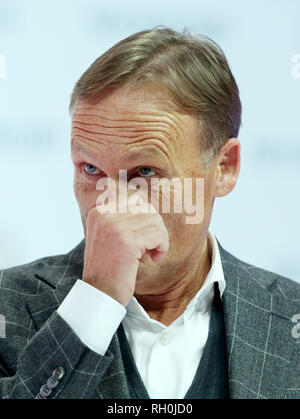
(129, 116)
(132, 98)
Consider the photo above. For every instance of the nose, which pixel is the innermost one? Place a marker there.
(119, 189)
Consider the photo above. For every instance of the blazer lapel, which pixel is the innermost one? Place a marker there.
(57, 275)
(260, 345)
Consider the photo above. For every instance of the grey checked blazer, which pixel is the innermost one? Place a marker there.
(263, 355)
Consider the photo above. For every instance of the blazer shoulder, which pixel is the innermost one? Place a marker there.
(43, 272)
(271, 280)
(22, 279)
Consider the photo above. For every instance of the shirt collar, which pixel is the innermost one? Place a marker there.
(204, 296)
(215, 273)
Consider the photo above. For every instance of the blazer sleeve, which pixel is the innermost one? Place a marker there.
(53, 363)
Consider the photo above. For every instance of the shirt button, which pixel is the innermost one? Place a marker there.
(58, 373)
(45, 391)
(164, 339)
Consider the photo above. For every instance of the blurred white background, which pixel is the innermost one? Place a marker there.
(44, 48)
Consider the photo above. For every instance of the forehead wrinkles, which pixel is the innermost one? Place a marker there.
(92, 122)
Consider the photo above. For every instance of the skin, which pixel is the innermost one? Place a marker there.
(158, 258)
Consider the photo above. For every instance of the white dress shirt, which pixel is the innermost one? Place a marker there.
(167, 357)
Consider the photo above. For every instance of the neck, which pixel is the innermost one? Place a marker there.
(168, 305)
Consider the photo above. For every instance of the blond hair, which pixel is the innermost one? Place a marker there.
(193, 69)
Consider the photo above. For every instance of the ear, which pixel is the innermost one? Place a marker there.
(227, 162)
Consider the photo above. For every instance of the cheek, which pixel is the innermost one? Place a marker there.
(209, 189)
(86, 195)
(182, 235)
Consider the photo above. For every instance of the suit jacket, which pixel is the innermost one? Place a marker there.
(263, 356)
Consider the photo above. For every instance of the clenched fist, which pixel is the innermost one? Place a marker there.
(115, 243)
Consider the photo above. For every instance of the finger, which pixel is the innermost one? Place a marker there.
(153, 238)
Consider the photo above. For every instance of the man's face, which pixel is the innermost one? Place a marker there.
(138, 130)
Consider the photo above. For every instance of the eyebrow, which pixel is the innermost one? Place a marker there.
(78, 146)
(144, 152)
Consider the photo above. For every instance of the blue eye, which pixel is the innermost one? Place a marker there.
(90, 169)
(147, 171)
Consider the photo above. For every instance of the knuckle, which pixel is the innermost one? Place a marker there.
(123, 235)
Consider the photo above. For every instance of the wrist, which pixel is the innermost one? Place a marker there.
(122, 298)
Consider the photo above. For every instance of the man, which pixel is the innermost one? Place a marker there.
(150, 304)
